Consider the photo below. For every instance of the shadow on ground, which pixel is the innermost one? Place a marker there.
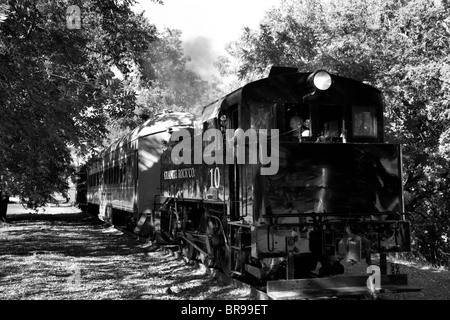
(77, 256)
(75, 234)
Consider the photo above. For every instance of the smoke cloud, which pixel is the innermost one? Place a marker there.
(203, 56)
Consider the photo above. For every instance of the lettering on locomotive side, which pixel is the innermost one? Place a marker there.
(171, 174)
(179, 174)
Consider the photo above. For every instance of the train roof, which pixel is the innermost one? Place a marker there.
(161, 122)
(212, 110)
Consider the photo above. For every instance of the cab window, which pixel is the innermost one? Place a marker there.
(297, 121)
(210, 124)
(331, 122)
(364, 122)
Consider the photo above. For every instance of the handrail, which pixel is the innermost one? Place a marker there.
(322, 214)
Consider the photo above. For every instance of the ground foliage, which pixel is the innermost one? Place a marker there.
(62, 253)
(58, 87)
(401, 47)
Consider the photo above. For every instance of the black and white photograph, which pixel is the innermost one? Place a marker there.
(225, 159)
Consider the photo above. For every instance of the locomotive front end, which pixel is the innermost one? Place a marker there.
(332, 202)
(337, 195)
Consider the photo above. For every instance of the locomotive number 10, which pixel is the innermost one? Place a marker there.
(215, 177)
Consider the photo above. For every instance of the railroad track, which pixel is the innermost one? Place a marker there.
(252, 291)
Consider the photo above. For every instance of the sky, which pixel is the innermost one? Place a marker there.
(206, 25)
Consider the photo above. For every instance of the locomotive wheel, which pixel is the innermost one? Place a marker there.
(187, 249)
(224, 259)
(207, 261)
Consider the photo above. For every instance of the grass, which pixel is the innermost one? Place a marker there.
(74, 256)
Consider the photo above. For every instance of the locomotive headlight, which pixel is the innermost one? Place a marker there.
(321, 80)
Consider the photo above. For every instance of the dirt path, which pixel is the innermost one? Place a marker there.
(73, 256)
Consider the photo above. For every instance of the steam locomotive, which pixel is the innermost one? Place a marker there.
(284, 176)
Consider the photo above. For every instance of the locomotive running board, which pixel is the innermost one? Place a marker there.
(333, 287)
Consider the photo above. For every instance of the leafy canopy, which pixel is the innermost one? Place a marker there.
(58, 86)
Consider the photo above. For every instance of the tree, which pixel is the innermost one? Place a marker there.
(176, 86)
(58, 88)
(169, 85)
(288, 35)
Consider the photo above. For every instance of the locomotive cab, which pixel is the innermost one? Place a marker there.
(342, 110)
